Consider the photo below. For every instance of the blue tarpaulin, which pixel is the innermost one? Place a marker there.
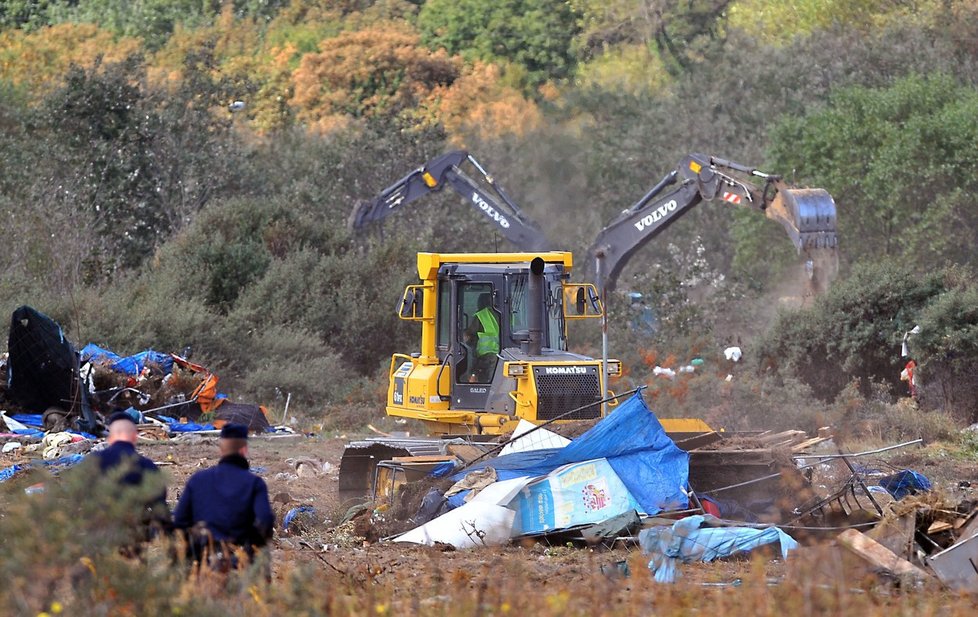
(55, 465)
(906, 482)
(30, 419)
(130, 365)
(686, 541)
(650, 465)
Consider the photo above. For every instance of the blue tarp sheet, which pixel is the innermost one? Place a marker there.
(906, 482)
(186, 427)
(30, 419)
(651, 466)
(55, 465)
(686, 541)
(130, 365)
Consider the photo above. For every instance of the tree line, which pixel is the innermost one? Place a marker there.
(141, 210)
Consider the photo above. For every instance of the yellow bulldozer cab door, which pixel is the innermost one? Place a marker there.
(478, 343)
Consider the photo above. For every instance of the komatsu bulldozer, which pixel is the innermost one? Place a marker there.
(494, 350)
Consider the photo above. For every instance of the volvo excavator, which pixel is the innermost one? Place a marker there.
(807, 215)
(491, 201)
(528, 298)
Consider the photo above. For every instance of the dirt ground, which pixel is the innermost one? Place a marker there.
(303, 471)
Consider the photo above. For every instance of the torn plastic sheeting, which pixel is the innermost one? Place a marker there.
(28, 419)
(291, 514)
(576, 494)
(687, 541)
(474, 524)
(63, 462)
(184, 427)
(130, 365)
(539, 439)
(483, 521)
(649, 464)
(903, 483)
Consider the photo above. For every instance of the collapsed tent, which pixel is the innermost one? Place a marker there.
(42, 363)
(653, 469)
(251, 416)
(42, 372)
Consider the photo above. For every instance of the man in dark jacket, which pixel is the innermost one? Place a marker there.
(120, 459)
(225, 506)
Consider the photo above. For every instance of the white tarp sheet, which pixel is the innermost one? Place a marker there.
(484, 521)
(540, 439)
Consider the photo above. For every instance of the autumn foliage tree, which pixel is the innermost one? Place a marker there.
(373, 72)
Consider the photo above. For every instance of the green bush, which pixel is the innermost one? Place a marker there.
(853, 331)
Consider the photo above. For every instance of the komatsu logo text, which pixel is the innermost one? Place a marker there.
(656, 215)
(490, 211)
(565, 370)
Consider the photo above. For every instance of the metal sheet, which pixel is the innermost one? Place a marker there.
(957, 565)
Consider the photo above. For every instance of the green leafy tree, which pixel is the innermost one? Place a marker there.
(140, 160)
(534, 35)
(901, 162)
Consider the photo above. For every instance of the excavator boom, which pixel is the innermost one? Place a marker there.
(495, 205)
(807, 215)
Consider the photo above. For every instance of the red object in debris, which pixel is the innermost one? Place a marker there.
(710, 507)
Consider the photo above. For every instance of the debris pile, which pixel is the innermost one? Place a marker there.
(625, 482)
(55, 400)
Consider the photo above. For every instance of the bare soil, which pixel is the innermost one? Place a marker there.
(303, 470)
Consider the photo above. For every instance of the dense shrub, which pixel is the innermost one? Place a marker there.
(854, 331)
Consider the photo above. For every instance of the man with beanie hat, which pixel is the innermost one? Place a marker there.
(226, 506)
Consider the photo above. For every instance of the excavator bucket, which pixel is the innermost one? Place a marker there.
(808, 215)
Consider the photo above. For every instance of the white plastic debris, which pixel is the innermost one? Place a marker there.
(10, 446)
(539, 439)
(733, 353)
(665, 372)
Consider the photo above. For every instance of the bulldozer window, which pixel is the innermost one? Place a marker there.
(517, 304)
(480, 330)
(444, 315)
(555, 320)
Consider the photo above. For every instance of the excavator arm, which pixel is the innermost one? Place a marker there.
(807, 215)
(495, 205)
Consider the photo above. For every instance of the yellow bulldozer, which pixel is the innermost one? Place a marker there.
(494, 350)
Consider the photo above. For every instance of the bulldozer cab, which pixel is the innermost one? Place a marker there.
(484, 309)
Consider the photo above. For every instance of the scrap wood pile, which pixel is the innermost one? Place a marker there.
(55, 400)
(625, 482)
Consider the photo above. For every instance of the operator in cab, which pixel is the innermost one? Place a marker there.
(483, 331)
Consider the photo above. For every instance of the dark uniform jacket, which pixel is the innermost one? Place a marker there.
(122, 454)
(230, 500)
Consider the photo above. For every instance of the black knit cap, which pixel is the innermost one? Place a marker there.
(234, 431)
(119, 415)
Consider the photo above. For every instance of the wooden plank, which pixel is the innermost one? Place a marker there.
(783, 435)
(466, 452)
(808, 443)
(970, 528)
(938, 527)
(896, 534)
(879, 557)
(698, 441)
